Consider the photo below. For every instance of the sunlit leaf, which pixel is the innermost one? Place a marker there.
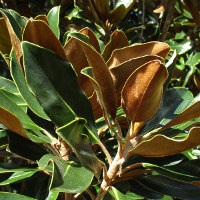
(151, 48)
(11, 196)
(121, 72)
(117, 40)
(67, 175)
(98, 68)
(53, 19)
(142, 92)
(161, 145)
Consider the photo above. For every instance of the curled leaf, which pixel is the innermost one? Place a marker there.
(189, 114)
(151, 48)
(121, 72)
(161, 145)
(142, 92)
(117, 40)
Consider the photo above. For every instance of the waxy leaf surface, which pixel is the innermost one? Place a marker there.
(72, 133)
(56, 89)
(67, 175)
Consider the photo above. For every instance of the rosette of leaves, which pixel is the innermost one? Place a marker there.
(74, 111)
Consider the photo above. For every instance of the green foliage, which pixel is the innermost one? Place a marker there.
(86, 114)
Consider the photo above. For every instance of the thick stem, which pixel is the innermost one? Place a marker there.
(113, 169)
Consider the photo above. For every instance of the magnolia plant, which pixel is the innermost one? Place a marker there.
(92, 123)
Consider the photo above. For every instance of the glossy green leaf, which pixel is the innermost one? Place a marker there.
(72, 133)
(18, 176)
(181, 46)
(12, 107)
(193, 59)
(53, 19)
(67, 175)
(8, 85)
(178, 99)
(11, 196)
(52, 195)
(25, 148)
(56, 89)
(14, 24)
(140, 189)
(21, 83)
(173, 174)
(117, 194)
(132, 196)
(170, 187)
(16, 99)
(20, 20)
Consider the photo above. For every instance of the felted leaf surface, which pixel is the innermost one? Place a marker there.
(53, 19)
(91, 38)
(56, 89)
(5, 43)
(72, 133)
(151, 48)
(11, 122)
(21, 83)
(121, 72)
(14, 32)
(67, 175)
(142, 92)
(161, 145)
(38, 32)
(117, 40)
(105, 82)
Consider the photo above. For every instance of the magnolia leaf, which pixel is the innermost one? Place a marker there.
(98, 68)
(38, 32)
(5, 43)
(118, 40)
(20, 19)
(15, 33)
(72, 133)
(67, 175)
(11, 122)
(142, 92)
(121, 72)
(18, 176)
(71, 49)
(42, 18)
(61, 104)
(151, 48)
(8, 85)
(171, 187)
(9, 105)
(92, 38)
(20, 81)
(189, 114)
(160, 145)
(53, 19)
(52, 195)
(11, 196)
